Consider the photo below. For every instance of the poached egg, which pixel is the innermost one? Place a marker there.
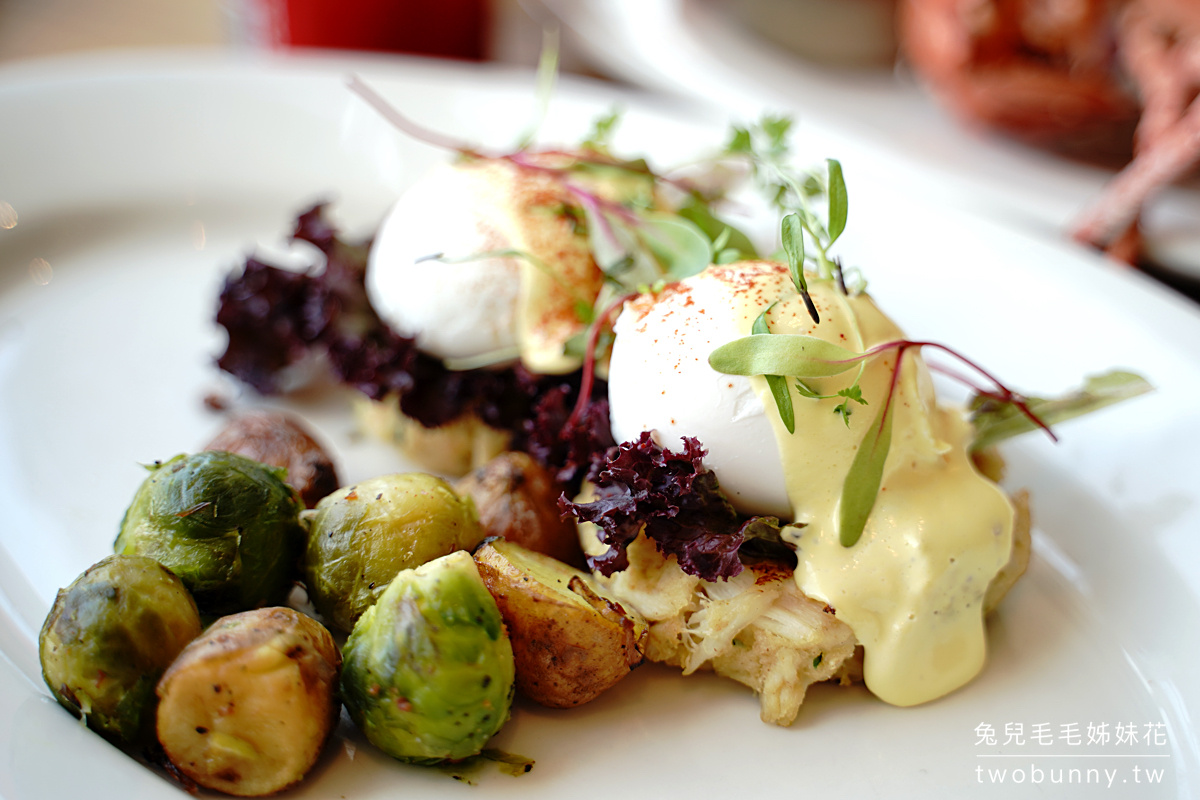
(484, 261)
(912, 587)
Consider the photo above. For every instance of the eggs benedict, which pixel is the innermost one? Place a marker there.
(488, 259)
(912, 587)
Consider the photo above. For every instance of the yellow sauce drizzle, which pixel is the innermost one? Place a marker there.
(912, 588)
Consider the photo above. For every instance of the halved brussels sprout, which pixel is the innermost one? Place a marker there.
(427, 673)
(360, 536)
(227, 526)
(108, 638)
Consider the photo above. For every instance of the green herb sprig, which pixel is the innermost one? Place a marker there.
(800, 357)
(797, 196)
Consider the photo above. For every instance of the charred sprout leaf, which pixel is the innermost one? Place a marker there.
(675, 498)
(468, 770)
(508, 763)
(864, 478)
(791, 354)
(838, 202)
(996, 420)
(776, 383)
(766, 529)
(764, 539)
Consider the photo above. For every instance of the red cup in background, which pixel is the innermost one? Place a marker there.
(448, 28)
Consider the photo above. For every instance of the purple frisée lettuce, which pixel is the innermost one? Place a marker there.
(279, 320)
(677, 501)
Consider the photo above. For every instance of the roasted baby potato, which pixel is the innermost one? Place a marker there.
(247, 707)
(517, 498)
(278, 439)
(108, 639)
(570, 643)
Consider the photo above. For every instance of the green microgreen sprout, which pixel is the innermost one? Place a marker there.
(547, 76)
(795, 195)
(776, 383)
(599, 138)
(804, 357)
(851, 394)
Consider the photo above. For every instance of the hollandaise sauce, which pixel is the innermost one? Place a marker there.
(912, 587)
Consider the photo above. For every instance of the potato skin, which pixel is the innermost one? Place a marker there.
(278, 439)
(517, 498)
(570, 644)
(247, 707)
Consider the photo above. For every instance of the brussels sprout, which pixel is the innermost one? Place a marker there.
(427, 673)
(360, 536)
(108, 638)
(227, 526)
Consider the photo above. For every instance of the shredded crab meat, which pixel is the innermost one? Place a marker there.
(726, 608)
(756, 628)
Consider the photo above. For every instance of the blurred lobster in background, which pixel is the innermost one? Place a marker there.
(1076, 75)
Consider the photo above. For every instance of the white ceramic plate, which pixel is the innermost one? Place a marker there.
(139, 182)
(704, 48)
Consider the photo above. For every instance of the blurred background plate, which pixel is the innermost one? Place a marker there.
(831, 61)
